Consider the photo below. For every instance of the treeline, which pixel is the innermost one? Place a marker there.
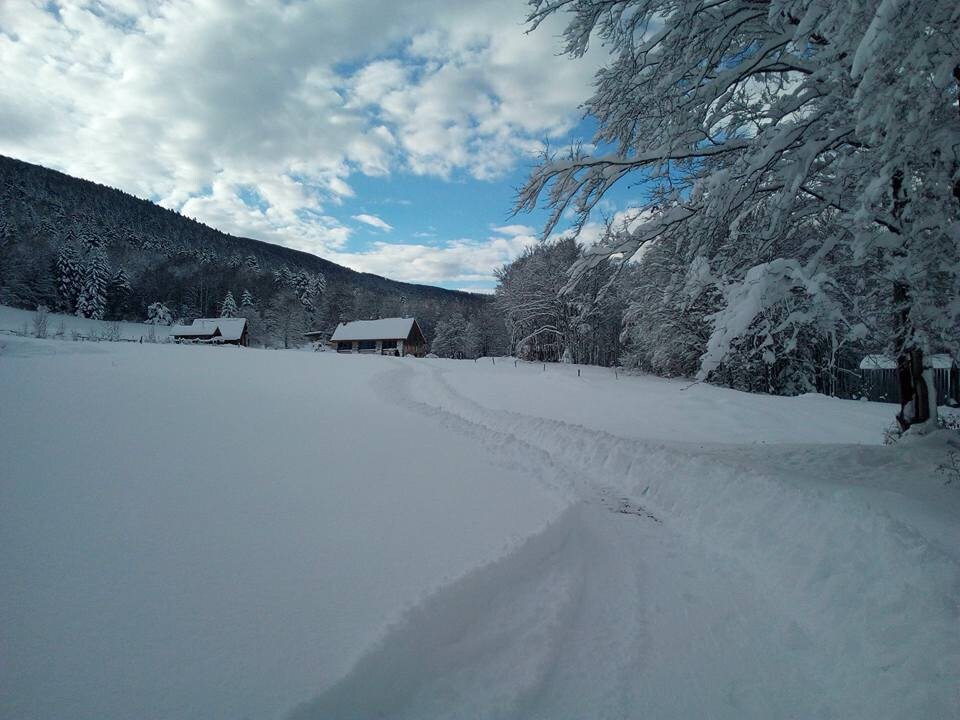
(581, 326)
(77, 247)
(660, 312)
(798, 188)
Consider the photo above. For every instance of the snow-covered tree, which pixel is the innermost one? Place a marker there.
(40, 321)
(773, 115)
(285, 320)
(92, 298)
(118, 293)
(68, 276)
(456, 337)
(246, 299)
(228, 307)
(159, 314)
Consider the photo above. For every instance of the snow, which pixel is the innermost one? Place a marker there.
(652, 408)
(382, 329)
(550, 546)
(15, 320)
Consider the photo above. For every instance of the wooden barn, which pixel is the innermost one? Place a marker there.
(879, 379)
(387, 336)
(217, 331)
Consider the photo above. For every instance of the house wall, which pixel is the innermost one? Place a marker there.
(415, 349)
(388, 347)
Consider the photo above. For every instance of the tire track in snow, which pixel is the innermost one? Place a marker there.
(850, 577)
(585, 649)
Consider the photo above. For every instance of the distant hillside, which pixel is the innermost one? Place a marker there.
(87, 249)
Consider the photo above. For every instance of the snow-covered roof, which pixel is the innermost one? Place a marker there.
(230, 328)
(885, 362)
(878, 362)
(382, 329)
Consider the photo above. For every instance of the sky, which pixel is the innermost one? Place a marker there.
(389, 136)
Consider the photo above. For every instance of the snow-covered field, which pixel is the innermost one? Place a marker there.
(70, 327)
(212, 532)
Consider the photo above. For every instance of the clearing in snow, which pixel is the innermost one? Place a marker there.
(204, 532)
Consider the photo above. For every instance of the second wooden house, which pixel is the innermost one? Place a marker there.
(386, 336)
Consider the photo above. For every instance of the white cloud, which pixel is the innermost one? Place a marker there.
(456, 261)
(194, 102)
(373, 221)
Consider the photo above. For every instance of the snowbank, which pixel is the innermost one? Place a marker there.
(651, 408)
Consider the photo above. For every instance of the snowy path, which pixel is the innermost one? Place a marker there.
(604, 615)
(818, 605)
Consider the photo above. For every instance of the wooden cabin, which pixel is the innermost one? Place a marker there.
(216, 331)
(879, 379)
(387, 336)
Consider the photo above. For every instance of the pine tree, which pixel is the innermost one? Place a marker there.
(119, 293)
(246, 300)
(92, 299)
(229, 307)
(68, 277)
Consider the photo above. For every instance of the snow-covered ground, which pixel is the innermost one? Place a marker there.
(212, 532)
(70, 327)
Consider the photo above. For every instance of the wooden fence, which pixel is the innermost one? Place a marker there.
(847, 380)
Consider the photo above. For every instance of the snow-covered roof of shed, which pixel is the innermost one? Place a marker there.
(885, 362)
(230, 328)
(382, 329)
(878, 362)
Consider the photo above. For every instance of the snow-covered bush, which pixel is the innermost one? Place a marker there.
(159, 314)
(40, 322)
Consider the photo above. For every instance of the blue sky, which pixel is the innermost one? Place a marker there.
(387, 136)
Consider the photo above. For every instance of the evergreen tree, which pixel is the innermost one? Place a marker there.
(92, 299)
(119, 293)
(246, 300)
(68, 277)
(229, 307)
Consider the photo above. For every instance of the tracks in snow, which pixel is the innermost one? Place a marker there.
(755, 597)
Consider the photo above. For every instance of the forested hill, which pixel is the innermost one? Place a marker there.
(80, 247)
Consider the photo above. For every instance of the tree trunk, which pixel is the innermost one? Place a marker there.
(915, 404)
(914, 388)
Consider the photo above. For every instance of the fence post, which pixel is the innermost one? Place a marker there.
(578, 372)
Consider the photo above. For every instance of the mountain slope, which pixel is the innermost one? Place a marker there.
(77, 246)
